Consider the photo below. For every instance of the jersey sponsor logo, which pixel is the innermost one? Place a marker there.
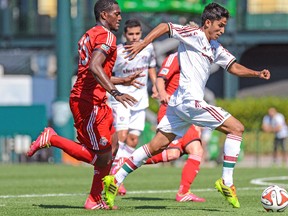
(105, 47)
(134, 70)
(103, 141)
(164, 71)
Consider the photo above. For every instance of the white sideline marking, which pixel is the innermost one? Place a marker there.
(258, 181)
(266, 181)
(129, 192)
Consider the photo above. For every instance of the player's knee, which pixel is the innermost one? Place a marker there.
(238, 129)
(173, 154)
(195, 148)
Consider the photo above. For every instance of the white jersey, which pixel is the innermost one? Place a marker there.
(123, 68)
(196, 56)
(276, 121)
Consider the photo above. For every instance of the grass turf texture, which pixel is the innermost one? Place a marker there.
(42, 189)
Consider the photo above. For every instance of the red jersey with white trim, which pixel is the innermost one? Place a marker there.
(170, 72)
(86, 86)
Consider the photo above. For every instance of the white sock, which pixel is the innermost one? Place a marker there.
(231, 152)
(132, 163)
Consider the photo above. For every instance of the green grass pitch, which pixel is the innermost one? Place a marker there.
(43, 189)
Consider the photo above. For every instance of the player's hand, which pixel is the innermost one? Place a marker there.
(193, 24)
(155, 93)
(164, 97)
(133, 49)
(264, 74)
(126, 99)
(131, 80)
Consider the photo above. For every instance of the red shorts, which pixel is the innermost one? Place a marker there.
(94, 124)
(191, 135)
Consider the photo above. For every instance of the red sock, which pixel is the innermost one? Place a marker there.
(74, 149)
(161, 157)
(97, 186)
(189, 173)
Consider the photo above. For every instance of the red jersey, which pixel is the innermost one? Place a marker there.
(86, 86)
(170, 72)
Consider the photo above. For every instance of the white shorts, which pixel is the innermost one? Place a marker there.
(127, 119)
(179, 118)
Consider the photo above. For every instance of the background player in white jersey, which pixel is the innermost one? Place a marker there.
(129, 122)
(274, 122)
(197, 51)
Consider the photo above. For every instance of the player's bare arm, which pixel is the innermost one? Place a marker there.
(242, 71)
(96, 69)
(164, 97)
(129, 80)
(133, 49)
(153, 76)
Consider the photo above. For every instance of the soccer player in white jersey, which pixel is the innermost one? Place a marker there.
(129, 122)
(197, 51)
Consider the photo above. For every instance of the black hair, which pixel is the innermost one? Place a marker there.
(214, 11)
(131, 23)
(103, 5)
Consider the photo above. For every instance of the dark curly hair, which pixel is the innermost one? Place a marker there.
(103, 5)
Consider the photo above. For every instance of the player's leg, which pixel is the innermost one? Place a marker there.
(121, 123)
(103, 133)
(101, 169)
(205, 115)
(50, 138)
(234, 130)
(283, 150)
(169, 126)
(173, 152)
(275, 149)
(192, 146)
(157, 145)
(136, 126)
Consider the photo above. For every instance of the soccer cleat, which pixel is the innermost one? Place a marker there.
(90, 205)
(116, 167)
(122, 190)
(110, 190)
(43, 141)
(188, 197)
(228, 192)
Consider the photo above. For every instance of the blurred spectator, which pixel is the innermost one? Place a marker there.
(274, 122)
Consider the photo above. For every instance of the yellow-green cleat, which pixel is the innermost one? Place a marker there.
(110, 190)
(228, 192)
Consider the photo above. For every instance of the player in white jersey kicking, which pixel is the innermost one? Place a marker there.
(197, 51)
(129, 122)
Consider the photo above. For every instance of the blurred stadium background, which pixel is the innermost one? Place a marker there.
(38, 60)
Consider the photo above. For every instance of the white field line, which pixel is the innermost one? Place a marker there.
(259, 181)
(129, 192)
(269, 181)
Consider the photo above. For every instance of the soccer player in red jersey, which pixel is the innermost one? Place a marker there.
(93, 118)
(167, 82)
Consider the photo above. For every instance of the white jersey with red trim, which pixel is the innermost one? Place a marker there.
(123, 68)
(196, 56)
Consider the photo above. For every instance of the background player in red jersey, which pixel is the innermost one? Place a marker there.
(93, 118)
